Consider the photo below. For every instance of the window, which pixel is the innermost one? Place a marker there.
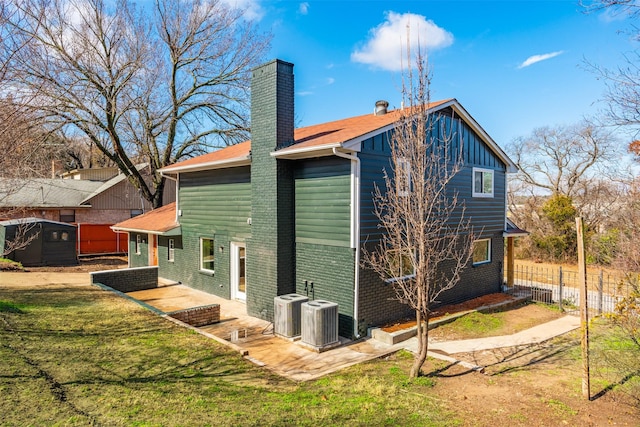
(171, 250)
(403, 177)
(400, 264)
(481, 251)
(482, 182)
(67, 215)
(54, 235)
(64, 236)
(135, 212)
(138, 242)
(207, 255)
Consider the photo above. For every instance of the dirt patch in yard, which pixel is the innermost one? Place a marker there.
(86, 265)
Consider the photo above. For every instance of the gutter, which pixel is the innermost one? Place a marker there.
(355, 233)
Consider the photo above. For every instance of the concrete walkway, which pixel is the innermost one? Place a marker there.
(535, 335)
(255, 340)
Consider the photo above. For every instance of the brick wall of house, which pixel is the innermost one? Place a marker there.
(331, 271)
(379, 305)
(128, 279)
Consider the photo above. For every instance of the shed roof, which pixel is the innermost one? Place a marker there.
(160, 221)
(33, 220)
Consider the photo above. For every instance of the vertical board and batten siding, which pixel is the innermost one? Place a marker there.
(214, 204)
(377, 298)
(323, 254)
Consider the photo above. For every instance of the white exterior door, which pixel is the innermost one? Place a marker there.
(238, 271)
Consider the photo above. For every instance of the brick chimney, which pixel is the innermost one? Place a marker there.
(270, 249)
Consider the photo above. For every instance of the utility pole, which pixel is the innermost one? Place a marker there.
(584, 309)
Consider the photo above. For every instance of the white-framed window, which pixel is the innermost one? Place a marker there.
(171, 250)
(138, 243)
(207, 255)
(401, 264)
(481, 251)
(482, 182)
(403, 177)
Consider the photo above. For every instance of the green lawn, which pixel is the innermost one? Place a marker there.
(82, 356)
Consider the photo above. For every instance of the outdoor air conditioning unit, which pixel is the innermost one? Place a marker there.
(319, 323)
(287, 314)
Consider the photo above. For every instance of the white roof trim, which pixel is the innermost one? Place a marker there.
(458, 108)
(299, 153)
(217, 164)
(170, 232)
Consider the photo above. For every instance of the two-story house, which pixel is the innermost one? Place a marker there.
(290, 210)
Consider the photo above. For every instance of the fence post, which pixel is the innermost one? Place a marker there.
(560, 289)
(600, 292)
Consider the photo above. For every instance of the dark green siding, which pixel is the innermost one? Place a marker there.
(322, 230)
(217, 200)
(141, 259)
(331, 271)
(214, 204)
(323, 201)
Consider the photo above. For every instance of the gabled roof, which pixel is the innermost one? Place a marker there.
(45, 193)
(110, 183)
(321, 139)
(160, 221)
(512, 230)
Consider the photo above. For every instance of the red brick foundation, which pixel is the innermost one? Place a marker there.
(198, 316)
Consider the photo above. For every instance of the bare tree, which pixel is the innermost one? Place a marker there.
(151, 86)
(426, 240)
(21, 237)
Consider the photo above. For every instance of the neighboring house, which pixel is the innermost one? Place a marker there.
(93, 205)
(290, 211)
(40, 242)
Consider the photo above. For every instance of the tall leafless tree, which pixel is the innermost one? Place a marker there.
(427, 240)
(152, 85)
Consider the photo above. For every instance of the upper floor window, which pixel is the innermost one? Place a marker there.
(482, 182)
(403, 177)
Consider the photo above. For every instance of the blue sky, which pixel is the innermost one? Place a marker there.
(514, 65)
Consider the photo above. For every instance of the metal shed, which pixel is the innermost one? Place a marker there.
(52, 243)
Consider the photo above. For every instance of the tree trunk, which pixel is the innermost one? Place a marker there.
(423, 344)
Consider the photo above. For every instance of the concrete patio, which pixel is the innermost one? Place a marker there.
(254, 337)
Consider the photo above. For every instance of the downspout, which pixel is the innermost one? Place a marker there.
(177, 181)
(355, 233)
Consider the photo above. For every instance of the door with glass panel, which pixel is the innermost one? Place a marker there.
(238, 271)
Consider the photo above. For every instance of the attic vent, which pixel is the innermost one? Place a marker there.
(381, 108)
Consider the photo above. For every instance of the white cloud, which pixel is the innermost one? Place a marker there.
(537, 58)
(330, 81)
(252, 8)
(303, 9)
(387, 44)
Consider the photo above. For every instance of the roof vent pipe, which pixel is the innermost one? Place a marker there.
(381, 108)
